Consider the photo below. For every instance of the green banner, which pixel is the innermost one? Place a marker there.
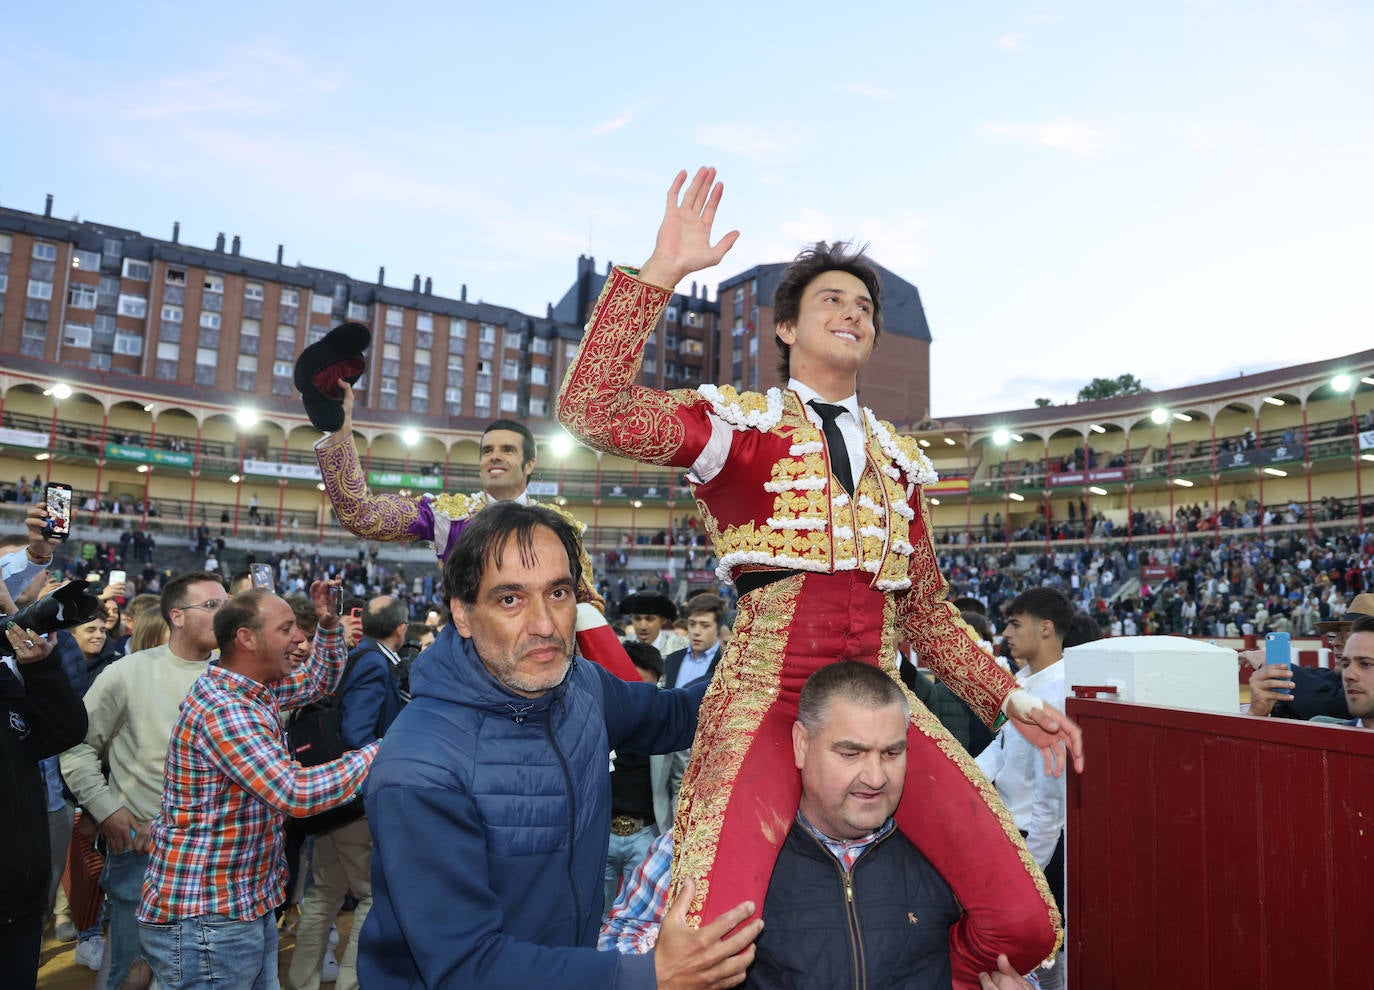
(143, 455)
(395, 479)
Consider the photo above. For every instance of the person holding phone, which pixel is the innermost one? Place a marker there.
(25, 570)
(1284, 690)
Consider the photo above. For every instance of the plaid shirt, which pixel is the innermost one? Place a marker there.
(632, 925)
(229, 783)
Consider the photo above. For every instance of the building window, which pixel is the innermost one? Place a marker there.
(509, 402)
(82, 297)
(357, 311)
(86, 261)
(176, 276)
(108, 293)
(482, 400)
(210, 321)
(457, 346)
(214, 283)
(539, 407)
(510, 370)
(128, 343)
(282, 369)
(4, 284)
(290, 297)
(321, 303)
(424, 339)
(394, 317)
(392, 334)
(541, 345)
(246, 373)
(172, 314)
(167, 352)
(650, 366)
(252, 290)
(39, 290)
(250, 328)
(453, 396)
(455, 363)
(458, 329)
(6, 243)
(539, 375)
(131, 305)
(140, 270)
(670, 314)
(99, 361)
(424, 321)
(488, 334)
(76, 335)
(114, 247)
(422, 356)
(391, 352)
(421, 391)
(43, 251)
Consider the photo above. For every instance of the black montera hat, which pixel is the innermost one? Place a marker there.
(334, 358)
(649, 603)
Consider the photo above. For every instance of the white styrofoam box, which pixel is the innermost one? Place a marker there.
(1157, 670)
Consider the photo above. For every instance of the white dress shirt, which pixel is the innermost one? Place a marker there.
(1035, 799)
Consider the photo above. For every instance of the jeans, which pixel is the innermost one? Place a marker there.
(626, 852)
(213, 952)
(122, 881)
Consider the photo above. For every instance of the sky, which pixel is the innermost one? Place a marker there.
(1175, 189)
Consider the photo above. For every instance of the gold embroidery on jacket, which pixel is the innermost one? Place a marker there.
(745, 685)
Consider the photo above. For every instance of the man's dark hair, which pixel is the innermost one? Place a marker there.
(240, 576)
(379, 622)
(485, 538)
(706, 602)
(644, 655)
(174, 594)
(243, 611)
(1082, 629)
(860, 683)
(307, 615)
(514, 426)
(840, 256)
(978, 622)
(1045, 603)
(1363, 623)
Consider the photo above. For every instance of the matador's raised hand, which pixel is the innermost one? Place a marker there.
(684, 238)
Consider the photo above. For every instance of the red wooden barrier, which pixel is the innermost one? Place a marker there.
(1218, 851)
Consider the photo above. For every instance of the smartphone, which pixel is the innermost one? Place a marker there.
(262, 576)
(336, 598)
(1278, 648)
(356, 612)
(59, 502)
(118, 577)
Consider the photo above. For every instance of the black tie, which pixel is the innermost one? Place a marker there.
(834, 439)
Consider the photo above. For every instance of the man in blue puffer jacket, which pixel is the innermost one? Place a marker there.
(489, 802)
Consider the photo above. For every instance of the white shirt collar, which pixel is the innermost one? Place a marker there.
(806, 393)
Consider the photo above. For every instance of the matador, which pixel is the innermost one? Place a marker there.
(506, 461)
(817, 516)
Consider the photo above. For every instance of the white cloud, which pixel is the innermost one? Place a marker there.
(617, 122)
(1010, 41)
(745, 140)
(1077, 137)
(868, 90)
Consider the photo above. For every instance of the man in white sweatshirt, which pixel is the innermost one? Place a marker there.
(1037, 621)
(132, 707)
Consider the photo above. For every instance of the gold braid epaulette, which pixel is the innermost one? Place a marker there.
(373, 517)
(598, 403)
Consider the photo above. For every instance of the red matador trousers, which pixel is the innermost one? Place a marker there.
(741, 789)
